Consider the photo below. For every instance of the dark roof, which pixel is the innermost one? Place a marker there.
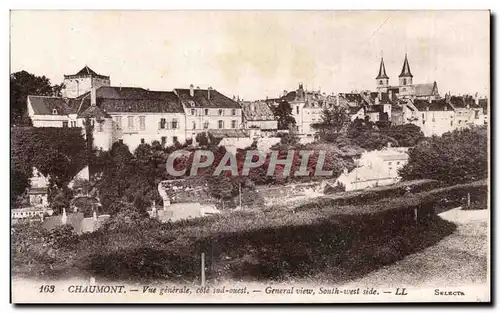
(86, 72)
(426, 89)
(406, 72)
(132, 99)
(352, 97)
(435, 105)
(94, 112)
(201, 99)
(291, 96)
(381, 71)
(43, 105)
(257, 111)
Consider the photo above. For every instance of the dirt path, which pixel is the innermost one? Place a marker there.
(457, 260)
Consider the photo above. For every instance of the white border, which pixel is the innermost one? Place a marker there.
(192, 4)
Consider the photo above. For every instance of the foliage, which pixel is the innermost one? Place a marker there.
(63, 236)
(283, 113)
(457, 157)
(59, 199)
(57, 152)
(23, 84)
(332, 120)
(407, 135)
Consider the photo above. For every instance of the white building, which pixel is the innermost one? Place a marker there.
(134, 115)
(206, 109)
(374, 168)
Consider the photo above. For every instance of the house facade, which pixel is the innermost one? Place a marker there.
(258, 119)
(208, 109)
(374, 168)
(134, 115)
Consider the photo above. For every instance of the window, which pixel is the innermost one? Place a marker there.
(142, 122)
(451, 123)
(120, 140)
(233, 112)
(100, 127)
(404, 81)
(163, 141)
(130, 122)
(194, 125)
(297, 109)
(397, 163)
(390, 163)
(221, 124)
(163, 121)
(381, 83)
(233, 123)
(54, 111)
(423, 122)
(206, 111)
(119, 122)
(193, 111)
(476, 114)
(205, 125)
(65, 124)
(459, 122)
(142, 140)
(423, 115)
(174, 123)
(175, 139)
(220, 111)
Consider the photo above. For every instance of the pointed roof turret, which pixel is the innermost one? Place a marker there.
(405, 72)
(381, 71)
(86, 72)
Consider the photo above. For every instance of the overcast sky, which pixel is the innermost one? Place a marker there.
(256, 54)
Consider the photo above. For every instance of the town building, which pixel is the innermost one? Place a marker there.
(374, 168)
(258, 119)
(207, 109)
(307, 108)
(134, 115)
(80, 83)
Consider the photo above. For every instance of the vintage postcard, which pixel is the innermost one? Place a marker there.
(250, 156)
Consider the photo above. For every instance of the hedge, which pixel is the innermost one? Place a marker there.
(320, 241)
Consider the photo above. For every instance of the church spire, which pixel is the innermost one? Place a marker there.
(405, 72)
(381, 71)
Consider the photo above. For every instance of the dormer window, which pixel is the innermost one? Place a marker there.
(54, 111)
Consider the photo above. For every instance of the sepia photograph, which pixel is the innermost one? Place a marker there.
(180, 157)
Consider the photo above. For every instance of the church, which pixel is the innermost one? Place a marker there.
(406, 88)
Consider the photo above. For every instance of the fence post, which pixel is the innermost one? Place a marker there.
(468, 199)
(203, 269)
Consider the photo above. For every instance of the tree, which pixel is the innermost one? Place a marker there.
(334, 119)
(457, 157)
(283, 112)
(407, 135)
(23, 84)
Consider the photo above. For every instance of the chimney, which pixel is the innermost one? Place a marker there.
(93, 97)
(191, 90)
(208, 92)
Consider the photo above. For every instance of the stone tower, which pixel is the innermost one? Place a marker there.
(406, 87)
(77, 84)
(382, 78)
